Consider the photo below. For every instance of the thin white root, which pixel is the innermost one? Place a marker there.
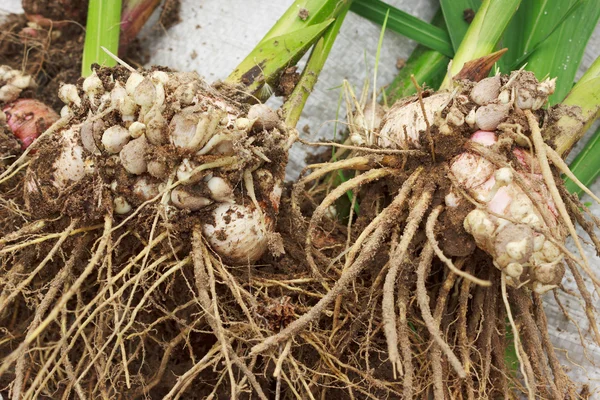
(429, 229)
(396, 260)
(5, 300)
(204, 281)
(564, 168)
(375, 223)
(362, 148)
(423, 300)
(281, 359)
(63, 300)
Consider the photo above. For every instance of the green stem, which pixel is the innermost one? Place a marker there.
(483, 34)
(293, 106)
(287, 41)
(102, 29)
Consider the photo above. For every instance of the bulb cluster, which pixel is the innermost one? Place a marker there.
(510, 224)
(172, 138)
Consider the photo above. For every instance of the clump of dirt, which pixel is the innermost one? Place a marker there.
(52, 12)
(170, 14)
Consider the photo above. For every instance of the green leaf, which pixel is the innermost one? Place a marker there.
(271, 56)
(427, 66)
(303, 13)
(405, 24)
(297, 29)
(516, 42)
(484, 33)
(102, 30)
(586, 165)
(454, 15)
(561, 45)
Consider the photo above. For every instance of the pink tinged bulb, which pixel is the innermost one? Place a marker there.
(28, 118)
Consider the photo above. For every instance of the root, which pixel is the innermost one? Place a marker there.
(28, 229)
(392, 212)
(488, 331)
(430, 230)
(210, 358)
(397, 259)
(44, 305)
(204, 280)
(5, 301)
(461, 332)
(405, 346)
(12, 357)
(423, 300)
(564, 168)
(533, 341)
(335, 194)
(362, 148)
(587, 226)
(560, 378)
(521, 355)
(590, 310)
(374, 224)
(356, 163)
(436, 351)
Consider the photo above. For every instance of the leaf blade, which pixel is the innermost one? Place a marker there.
(405, 24)
(454, 16)
(274, 54)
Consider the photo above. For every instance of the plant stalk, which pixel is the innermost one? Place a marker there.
(134, 16)
(483, 34)
(293, 106)
(581, 108)
(102, 30)
(295, 32)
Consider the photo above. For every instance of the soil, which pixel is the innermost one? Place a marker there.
(169, 15)
(53, 55)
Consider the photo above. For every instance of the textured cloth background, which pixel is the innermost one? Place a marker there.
(215, 35)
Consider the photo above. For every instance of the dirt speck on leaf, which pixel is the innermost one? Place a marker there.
(303, 14)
